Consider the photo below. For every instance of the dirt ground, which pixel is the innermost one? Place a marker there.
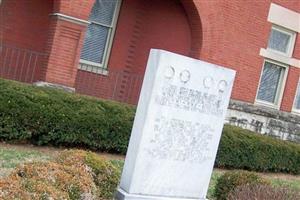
(52, 151)
(273, 175)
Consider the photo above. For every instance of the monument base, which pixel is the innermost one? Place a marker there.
(122, 195)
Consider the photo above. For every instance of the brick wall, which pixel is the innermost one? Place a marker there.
(24, 33)
(65, 40)
(233, 34)
(76, 8)
(225, 32)
(64, 46)
(25, 23)
(142, 25)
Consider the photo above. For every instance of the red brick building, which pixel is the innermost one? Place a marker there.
(100, 48)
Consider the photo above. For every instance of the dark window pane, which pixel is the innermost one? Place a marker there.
(103, 11)
(297, 103)
(94, 43)
(270, 81)
(279, 41)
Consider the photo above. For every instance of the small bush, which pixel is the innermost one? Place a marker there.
(105, 174)
(243, 149)
(230, 180)
(263, 192)
(73, 175)
(47, 180)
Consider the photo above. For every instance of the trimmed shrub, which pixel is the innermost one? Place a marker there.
(73, 175)
(243, 149)
(106, 175)
(231, 180)
(263, 192)
(47, 116)
(48, 180)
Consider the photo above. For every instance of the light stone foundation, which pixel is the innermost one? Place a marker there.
(54, 85)
(267, 121)
(122, 195)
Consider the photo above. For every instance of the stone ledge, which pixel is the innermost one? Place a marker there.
(123, 195)
(263, 111)
(264, 120)
(56, 86)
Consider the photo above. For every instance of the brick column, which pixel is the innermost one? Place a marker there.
(195, 25)
(68, 24)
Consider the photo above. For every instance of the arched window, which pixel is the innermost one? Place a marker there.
(98, 39)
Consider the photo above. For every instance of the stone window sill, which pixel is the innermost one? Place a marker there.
(266, 104)
(92, 68)
(280, 58)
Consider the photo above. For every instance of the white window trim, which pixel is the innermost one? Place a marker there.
(107, 50)
(284, 17)
(291, 45)
(70, 19)
(280, 91)
(280, 58)
(295, 110)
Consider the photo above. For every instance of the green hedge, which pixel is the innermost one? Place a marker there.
(243, 149)
(49, 116)
(46, 116)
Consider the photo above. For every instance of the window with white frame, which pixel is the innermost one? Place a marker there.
(99, 35)
(296, 107)
(271, 83)
(281, 41)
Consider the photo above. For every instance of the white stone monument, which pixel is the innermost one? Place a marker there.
(176, 130)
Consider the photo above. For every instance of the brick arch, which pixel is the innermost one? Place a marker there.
(81, 9)
(195, 25)
(207, 22)
(205, 19)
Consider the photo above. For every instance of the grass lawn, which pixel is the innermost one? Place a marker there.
(13, 155)
(10, 158)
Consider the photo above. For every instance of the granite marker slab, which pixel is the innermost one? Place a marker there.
(176, 130)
